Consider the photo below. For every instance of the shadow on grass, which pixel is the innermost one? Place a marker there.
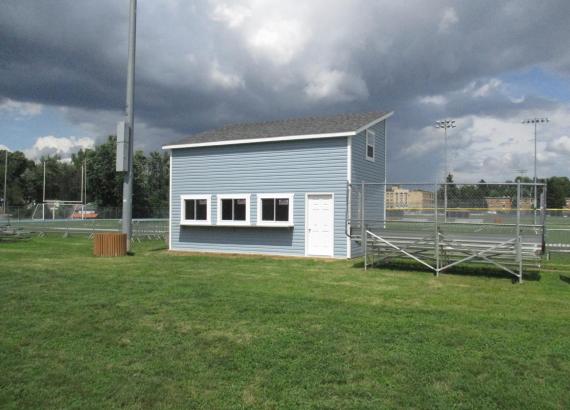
(565, 279)
(159, 248)
(464, 270)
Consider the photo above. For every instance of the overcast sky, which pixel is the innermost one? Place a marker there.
(200, 64)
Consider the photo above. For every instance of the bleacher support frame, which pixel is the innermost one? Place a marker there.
(449, 243)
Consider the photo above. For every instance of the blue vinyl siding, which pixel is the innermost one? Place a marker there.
(297, 167)
(368, 171)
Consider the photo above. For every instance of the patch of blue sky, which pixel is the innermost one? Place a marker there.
(19, 131)
(539, 82)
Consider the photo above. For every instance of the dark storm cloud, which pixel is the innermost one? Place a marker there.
(200, 64)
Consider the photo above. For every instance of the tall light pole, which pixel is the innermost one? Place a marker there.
(130, 120)
(535, 121)
(445, 124)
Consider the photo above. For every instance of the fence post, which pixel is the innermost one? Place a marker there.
(519, 253)
(535, 202)
(365, 242)
(435, 223)
(543, 218)
(445, 202)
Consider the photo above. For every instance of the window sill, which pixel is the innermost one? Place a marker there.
(240, 225)
(233, 224)
(191, 223)
(275, 225)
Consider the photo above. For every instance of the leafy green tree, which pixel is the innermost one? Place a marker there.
(104, 184)
(558, 189)
(17, 166)
(158, 180)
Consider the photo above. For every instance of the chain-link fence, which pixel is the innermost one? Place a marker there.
(557, 230)
(443, 225)
(78, 219)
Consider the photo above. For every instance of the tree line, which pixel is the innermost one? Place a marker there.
(151, 179)
(104, 186)
(473, 195)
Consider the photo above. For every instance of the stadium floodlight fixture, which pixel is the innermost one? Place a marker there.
(445, 124)
(536, 120)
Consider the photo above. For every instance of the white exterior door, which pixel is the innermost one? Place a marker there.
(319, 238)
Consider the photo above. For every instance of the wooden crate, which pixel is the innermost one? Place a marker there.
(110, 244)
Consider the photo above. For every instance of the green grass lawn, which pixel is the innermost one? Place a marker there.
(169, 331)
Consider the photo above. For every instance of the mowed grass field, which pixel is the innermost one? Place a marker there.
(159, 330)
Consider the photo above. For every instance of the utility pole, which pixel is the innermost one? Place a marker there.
(520, 172)
(5, 181)
(85, 180)
(81, 189)
(44, 194)
(128, 175)
(535, 122)
(445, 124)
(44, 184)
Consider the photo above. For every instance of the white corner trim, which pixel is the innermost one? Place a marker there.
(201, 222)
(385, 164)
(376, 121)
(349, 181)
(255, 140)
(170, 203)
(349, 159)
(222, 222)
(276, 224)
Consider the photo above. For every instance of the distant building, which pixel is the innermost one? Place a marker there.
(402, 198)
(420, 199)
(526, 203)
(499, 202)
(397, 197)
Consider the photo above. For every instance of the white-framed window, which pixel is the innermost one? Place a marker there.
(233, 209)
(195, 209)
(275, 210)
(370, 145)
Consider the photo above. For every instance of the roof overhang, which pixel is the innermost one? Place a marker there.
(277, 139)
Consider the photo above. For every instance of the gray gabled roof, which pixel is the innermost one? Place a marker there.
(310, 127)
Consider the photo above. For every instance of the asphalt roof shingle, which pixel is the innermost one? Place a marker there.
(282, 128)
